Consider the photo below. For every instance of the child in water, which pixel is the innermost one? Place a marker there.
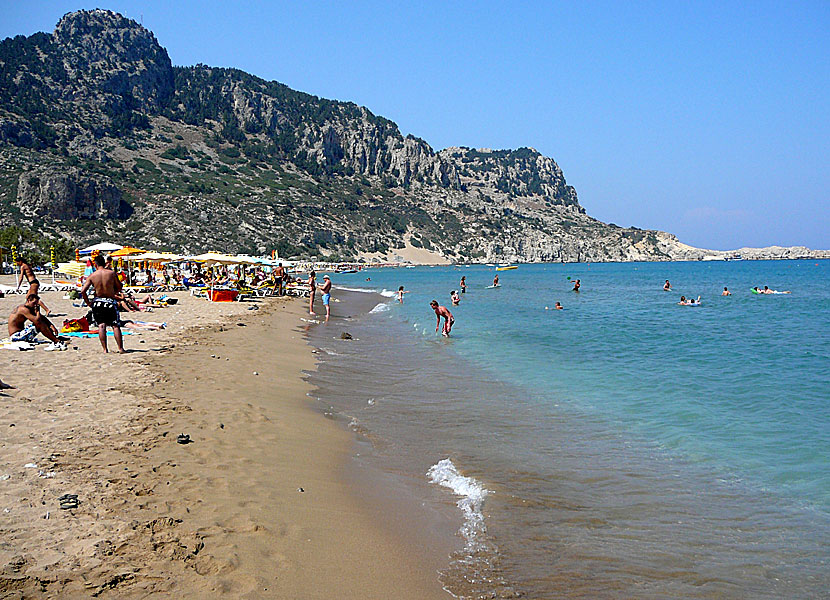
(400, 294)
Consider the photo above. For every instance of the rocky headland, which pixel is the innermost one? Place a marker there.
(102, 137)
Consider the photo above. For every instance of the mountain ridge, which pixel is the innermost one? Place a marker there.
(100, 135)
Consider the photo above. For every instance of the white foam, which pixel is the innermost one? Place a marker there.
(382, 307)
(389, 293)
(350, 289)
(471, 503)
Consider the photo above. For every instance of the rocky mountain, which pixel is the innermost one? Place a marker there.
(102, 138)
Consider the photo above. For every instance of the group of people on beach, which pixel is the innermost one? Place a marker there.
(26, 320)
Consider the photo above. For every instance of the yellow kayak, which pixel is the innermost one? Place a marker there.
(505, 268)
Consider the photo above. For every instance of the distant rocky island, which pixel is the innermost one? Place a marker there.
(101, 137)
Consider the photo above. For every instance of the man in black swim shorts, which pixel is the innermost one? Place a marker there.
(105, 305)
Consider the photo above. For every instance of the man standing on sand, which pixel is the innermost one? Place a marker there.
(279, 278)
(105, 306)
(34, 285)
(28, 311)
(442, 311)
(326, 295)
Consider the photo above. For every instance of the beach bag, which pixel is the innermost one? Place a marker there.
(70, 325)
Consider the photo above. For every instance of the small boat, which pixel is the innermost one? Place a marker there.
(346, 271)
(507, 268)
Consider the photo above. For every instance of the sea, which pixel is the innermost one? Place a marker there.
(622, 447)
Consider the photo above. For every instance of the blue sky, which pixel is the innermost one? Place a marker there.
(710, 120)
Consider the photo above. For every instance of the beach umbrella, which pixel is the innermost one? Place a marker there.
(102, 247)
(215, 258)
(155, 257)
(127, 251)
(72, 268)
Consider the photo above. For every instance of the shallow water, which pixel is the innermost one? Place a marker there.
(622, 447)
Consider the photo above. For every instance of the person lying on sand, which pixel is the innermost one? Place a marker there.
(143, 325)
(20, 331)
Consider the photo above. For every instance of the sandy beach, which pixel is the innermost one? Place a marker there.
(258, 505)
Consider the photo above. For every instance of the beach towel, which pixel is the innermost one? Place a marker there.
(85, 334)
(7, 344)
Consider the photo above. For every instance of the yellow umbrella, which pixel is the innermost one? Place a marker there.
(127, 251)
(72, 268)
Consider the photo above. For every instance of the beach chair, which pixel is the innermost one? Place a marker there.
(261, 291)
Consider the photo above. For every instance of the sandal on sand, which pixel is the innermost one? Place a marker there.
(183, 438)
(68, 501)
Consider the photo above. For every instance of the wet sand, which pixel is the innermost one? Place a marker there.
(259, 505)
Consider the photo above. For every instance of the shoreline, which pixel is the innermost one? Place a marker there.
(222, 516)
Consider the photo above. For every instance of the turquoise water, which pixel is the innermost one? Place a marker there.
(696, 439)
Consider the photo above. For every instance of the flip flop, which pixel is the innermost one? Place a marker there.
(68, 501)
(183, 438)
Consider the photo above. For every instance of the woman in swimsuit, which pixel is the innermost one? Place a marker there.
(312, 285)
(34, 284)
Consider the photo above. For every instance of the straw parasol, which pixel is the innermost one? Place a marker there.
(155, 257)
(216, 258)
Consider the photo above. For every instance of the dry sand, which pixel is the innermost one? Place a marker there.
(257, 506)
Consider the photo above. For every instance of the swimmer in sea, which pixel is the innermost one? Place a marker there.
(496, 281)
(726, 292)
(766, 290)
(559, 306)
(463, 284)
(576, 285)
(667, 286)
(456, 299)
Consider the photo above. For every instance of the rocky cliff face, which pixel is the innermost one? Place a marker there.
(65, 195)
(109, 60)
(97, 126)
